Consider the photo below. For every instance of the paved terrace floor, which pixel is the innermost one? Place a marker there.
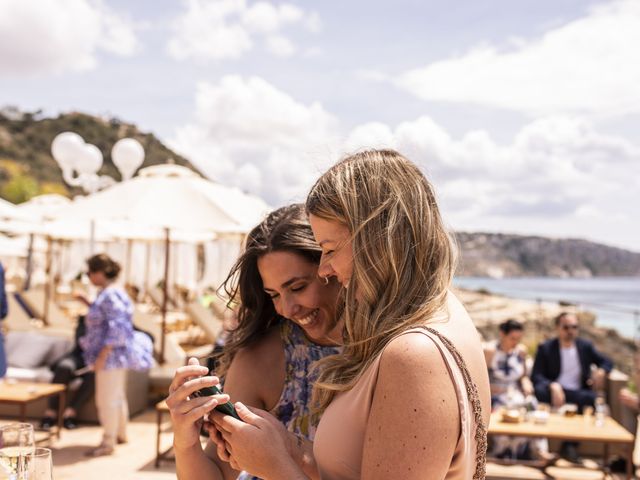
(135, 460)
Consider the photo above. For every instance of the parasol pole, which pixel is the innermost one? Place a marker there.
(165, 293)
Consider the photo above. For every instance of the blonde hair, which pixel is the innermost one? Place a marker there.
(403, 258)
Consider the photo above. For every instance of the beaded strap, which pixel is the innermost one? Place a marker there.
(474, 397)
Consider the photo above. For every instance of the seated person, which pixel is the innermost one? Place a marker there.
(512, 388)
(506, 360)
(562, 371)
(64, 371)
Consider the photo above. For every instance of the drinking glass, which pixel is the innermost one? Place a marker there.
(17, 445)
(42, 464)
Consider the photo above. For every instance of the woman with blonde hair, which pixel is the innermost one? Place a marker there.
(409, 396)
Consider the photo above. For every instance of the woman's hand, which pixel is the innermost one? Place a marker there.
(259, 444)
(186, 412)
(527, 386)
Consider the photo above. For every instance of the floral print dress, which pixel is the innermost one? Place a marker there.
(293, 408)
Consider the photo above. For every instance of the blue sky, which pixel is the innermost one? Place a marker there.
(524, 114)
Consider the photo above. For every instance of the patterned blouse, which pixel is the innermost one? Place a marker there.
(293, 407)
(505, 372)
(109, 322)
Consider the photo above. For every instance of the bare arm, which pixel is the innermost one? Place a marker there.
(252, 379)
(413, 445)
(259, 372)
(256, 377)
(187, 418)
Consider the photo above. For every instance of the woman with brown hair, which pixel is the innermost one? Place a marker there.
(287, 319)
(113, 347)
(409, 396)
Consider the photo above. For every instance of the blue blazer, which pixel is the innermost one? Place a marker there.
(546, 368)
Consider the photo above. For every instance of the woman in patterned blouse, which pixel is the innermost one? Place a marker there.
(112, 346)
(287, 320)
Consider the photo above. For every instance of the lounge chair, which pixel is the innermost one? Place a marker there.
(34, 299)
(152, 323)
(17, 319)
(156, 295)
(211, 324)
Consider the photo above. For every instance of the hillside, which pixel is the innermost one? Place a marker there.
(27, 167)
(494, 254)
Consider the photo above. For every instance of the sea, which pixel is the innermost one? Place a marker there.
(614, 300)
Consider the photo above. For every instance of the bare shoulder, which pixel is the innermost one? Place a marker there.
(256, 374)
(414, 361)
(413, 388)
(260, 351)
(413, 348)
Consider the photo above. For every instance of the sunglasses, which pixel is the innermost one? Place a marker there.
(570, 327)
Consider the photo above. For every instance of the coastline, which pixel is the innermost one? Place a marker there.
(488, 310)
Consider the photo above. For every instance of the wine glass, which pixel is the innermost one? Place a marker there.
(17, 445)
(42, 464)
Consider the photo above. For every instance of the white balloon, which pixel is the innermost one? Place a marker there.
(67, 148)
(127, 154)
(91, 160)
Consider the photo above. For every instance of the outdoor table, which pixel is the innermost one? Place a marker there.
(23, 393)
(574, 428)
(161, 409)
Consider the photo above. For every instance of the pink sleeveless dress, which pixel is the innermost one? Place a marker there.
(339, 442)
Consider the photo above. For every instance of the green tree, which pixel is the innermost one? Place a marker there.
(20, 188)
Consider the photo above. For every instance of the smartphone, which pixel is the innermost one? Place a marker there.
(226, 408)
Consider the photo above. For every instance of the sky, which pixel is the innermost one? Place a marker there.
(524, 115)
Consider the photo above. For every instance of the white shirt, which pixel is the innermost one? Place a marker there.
(570, 370)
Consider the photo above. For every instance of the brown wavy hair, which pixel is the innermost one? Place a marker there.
(285, 229)
(102, 262)
(403, 257)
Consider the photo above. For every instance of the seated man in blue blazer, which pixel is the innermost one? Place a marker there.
(562, 370)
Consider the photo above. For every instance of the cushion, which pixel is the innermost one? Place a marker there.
(27, 349)
(60, 346)
(42, 374)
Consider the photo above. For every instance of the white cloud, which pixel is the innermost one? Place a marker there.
(249, 134)
(46, 36)
(227, 29)
(587, 66)
(280, 46)
(550, 179)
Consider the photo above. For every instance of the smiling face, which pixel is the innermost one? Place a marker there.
(337, 253)
(298, 294)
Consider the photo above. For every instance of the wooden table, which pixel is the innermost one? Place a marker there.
(161, 409)
(23, 393)
(576, 428)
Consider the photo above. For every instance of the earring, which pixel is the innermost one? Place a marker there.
(325, 280)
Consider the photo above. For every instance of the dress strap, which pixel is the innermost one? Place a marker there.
(474, 398)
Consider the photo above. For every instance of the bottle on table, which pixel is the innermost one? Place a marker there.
(601, 411)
